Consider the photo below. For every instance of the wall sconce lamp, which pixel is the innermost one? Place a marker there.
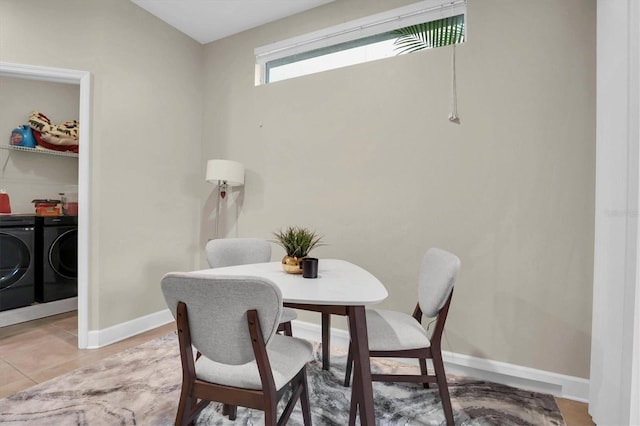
(224, 174)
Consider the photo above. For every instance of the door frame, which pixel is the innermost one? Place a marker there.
(83, 79)
(614, 383)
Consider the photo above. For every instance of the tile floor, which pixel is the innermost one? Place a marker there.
(36, 351)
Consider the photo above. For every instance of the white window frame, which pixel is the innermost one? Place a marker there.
(423, 11)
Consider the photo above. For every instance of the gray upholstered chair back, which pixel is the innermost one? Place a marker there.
(216, 309)
(237, 251)
(438, 272)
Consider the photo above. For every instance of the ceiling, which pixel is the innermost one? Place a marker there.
(209, 20)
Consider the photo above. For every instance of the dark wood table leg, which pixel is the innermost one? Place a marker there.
(362, 389)
(326, 340)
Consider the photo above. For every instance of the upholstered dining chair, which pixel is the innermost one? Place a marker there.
(241, 251)
(241, 361)
(399, 335)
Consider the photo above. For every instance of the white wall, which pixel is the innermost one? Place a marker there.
(367, 157)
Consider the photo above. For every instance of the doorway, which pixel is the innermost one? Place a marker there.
(83, 79)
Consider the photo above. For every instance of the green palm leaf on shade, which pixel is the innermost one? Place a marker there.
(427, 35)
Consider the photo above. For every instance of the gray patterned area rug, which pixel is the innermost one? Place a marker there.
(141, 386)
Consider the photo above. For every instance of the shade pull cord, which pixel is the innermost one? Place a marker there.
(453, 116)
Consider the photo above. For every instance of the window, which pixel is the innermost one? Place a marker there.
(424, 25)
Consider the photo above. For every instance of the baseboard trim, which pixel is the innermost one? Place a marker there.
(570, 387)
(560, 385)
(40, 310)
(118, 332)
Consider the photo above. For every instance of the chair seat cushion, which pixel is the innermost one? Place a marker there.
(391, 330)
(287, 356)
(288, 314)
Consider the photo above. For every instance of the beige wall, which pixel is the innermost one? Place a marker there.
(366, 156)
(146, 139)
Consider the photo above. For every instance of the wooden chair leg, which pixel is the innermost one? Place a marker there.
(304, 399)
(296, 392)
(270, 415)
(185, 408)
(355, 401)
(424, 371)
(230, 410)
(443, 389)
(348, 368)
(233, 411)
(299, 392)
(287, 329)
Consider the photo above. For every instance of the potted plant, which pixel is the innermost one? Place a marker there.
(297, 242)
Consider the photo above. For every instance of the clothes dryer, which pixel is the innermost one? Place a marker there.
(56, 258)
(17, 264)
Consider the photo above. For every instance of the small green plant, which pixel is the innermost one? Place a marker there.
(297, 241)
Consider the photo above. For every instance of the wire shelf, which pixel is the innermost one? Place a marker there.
(40, 151)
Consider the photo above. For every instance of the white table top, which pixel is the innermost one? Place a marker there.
(339, 282)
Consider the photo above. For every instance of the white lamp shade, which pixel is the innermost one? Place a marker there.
(228, 171)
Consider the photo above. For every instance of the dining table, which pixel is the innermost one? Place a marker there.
(341, 288)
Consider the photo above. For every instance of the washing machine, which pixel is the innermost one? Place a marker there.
(17, 261)
(56, 258)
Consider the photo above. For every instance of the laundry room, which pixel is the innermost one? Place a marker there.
(38, 198)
